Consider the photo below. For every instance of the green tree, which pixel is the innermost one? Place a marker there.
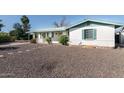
(25, 23)
(1, 25)
(18, 32)
(17, 26)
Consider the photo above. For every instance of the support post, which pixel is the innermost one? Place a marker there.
(39, 36)
(33, 35)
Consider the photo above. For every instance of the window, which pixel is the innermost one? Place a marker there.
(89, 34)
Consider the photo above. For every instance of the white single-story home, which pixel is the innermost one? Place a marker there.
(88, 32)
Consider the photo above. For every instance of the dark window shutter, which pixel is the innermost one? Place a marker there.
(94, 34)
(83, 36)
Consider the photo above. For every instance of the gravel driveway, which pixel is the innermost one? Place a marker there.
(55, 61)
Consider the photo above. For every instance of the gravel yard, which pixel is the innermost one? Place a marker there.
(56, 61)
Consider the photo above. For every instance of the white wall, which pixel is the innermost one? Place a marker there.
(104, 36)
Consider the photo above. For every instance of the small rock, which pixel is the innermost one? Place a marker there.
(10, 53)
(19, 51)
(1, 56)
(27, 50)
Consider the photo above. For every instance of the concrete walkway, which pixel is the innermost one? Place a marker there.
(13, 44)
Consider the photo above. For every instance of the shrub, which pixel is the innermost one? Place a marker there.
(48, 39)
(4, 37)
(13, 38)
(63, 39)
(33, 40)
(16, 33)
(25, 36)
(19, 34)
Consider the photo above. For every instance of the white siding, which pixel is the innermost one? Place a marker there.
(104, 36)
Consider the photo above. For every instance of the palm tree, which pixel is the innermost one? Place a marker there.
(26, 26)
(25, 23)
(1, 25)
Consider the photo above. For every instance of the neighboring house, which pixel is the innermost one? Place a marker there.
(87, 32)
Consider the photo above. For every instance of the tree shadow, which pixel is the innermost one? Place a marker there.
(8, 48)
(49, 66)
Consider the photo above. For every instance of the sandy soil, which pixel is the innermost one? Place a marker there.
(50, 61)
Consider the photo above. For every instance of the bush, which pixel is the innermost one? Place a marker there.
(16, 33)
(48, 39)
(19, 34)
(25, 36)
(64, 39)
(33, 40)
(4, 37)
(13, 38)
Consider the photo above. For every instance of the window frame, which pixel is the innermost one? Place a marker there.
(94, 34)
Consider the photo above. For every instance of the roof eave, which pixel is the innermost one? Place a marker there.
(103, 22)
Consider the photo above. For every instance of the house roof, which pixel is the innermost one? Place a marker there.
(51, 29)
(96, 21)
(84, 21)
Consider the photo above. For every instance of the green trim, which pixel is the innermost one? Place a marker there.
(97, 21)
(83, 35)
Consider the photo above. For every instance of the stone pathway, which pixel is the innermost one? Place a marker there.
(20, 52)
(1, 56)
(13, 44)
(11, 53)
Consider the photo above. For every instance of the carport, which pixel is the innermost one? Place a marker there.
(119, 36)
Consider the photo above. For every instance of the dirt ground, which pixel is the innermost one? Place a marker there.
(56, 61)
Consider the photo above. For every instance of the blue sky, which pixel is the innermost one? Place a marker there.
(46, 21)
